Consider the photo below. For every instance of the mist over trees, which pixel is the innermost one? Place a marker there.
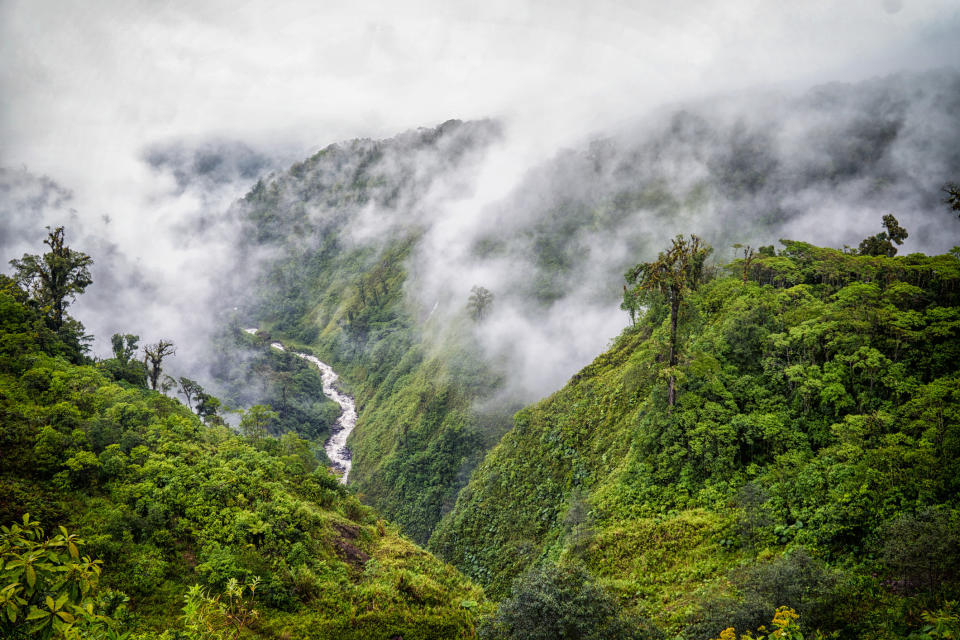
(375, 240)
(479, 303)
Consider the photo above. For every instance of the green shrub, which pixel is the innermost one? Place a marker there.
(922, 551)
(562, 603)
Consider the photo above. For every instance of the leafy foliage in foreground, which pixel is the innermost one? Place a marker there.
(810, 460)
(166, 502)
(50, 590)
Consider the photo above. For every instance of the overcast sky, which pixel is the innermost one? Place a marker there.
(88, 87)
(86, 84)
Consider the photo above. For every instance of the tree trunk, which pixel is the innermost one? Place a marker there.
(152, 373)
(674, 317)
(58, 314)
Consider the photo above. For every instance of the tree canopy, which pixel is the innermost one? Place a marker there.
(256, 420)
(479, 302)
(882, 244)
(170, 523)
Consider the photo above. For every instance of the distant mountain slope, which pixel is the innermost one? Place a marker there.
(338, 287)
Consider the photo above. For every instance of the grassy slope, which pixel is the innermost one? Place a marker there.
(814, 410)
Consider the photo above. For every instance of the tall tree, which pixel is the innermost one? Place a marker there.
(671, 277)
(124, 346)
(882, 243)
(253, 424)
(189, 389)
(953, 196)
(208, 408)
(153, 355)
(123, 366)
(55, 278)
(479, 302)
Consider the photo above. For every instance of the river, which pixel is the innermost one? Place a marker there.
(336, 444)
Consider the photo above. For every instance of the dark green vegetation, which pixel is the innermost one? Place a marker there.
(552, 602)
(54, 280)
(883, 243)
(165, 501)
(810, 458)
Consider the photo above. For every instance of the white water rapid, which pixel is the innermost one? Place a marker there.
(336, 445)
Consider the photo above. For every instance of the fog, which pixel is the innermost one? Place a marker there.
(552, 242)
(137, 124)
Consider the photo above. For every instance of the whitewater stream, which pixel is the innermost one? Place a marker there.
(336, 444)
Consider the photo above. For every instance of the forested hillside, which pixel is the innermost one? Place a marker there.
(343, 296)
(116, 500)
(371, 251)
(793, 442)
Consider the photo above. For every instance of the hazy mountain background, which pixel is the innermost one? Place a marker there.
(155, 119)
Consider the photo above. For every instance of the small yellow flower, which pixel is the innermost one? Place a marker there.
(783, 620)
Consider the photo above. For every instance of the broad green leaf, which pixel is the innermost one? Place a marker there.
(36, 613)
(31, 576)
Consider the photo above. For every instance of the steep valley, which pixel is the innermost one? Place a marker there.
(690, 375)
